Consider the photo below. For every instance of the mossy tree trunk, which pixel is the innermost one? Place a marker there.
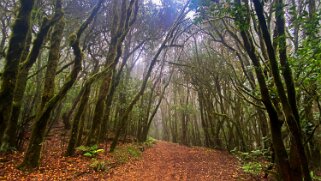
(32, 156)
(143, 121)
(81, 109)
(9, 137)
(16, 45)
(75, 123)
(289, 108)
(93, 136)
(66, 116)
(278, 145)
(53, 59)
(114, 84)
(127, 18)
(207, 137)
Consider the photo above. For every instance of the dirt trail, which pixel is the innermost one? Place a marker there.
(167, 162)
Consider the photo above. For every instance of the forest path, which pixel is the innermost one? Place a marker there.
(168, 161)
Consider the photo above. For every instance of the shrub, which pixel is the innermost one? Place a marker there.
(90, 151)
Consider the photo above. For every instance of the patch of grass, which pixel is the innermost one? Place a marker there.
(98, 165)
(123, 154)
(134, 152)
(254, 168)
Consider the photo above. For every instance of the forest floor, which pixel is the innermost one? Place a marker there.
(168, 161)
(161, 161)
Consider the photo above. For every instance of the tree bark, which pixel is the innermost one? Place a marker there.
(32, 156)
(275, 124)
(128, 17)
(9, 138)
(17, 41)
(288, 101)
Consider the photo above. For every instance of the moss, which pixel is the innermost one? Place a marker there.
(72, 39)
(32, 155)
(16, 47)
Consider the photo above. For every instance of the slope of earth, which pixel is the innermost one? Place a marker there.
(167, 162)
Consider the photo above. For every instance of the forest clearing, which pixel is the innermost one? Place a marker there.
(229, 88)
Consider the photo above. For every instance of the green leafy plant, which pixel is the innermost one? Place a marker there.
(90, 151)
(252, 155)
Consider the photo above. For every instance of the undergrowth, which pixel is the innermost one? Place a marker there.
(124, 153)
(150, 141)
(256, 163)
(121, 155)
(98, 165)
(90, 151)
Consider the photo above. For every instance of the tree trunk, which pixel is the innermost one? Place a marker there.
(288, 101)
(75, 123)
(93, 137)
(9, 138)
(32, 156)
(275, 124)
(16, 45)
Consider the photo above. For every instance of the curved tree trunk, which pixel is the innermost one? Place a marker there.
(275, 124)
(128, 17)
(288, 100)
(32, 156)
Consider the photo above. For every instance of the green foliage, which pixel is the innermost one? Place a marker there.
(98, 165)
(254, 168)
(306, 61)
(314, 176)
(241, 13)
(134, 152)
(252, 155)
(150, 141)
(120, 156)
(307, 126)
(255, 162)
(90, 151)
